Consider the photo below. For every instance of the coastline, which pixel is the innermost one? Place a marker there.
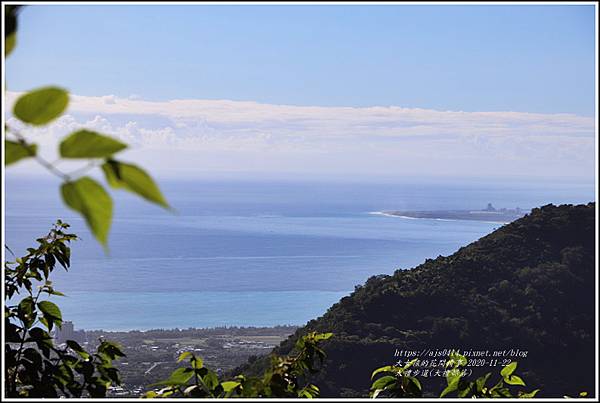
(454, 215)
(203, 309)
(385, 214)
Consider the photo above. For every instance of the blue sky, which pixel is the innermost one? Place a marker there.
(323, 90)
(471, 58)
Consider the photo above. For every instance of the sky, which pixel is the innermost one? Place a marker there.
(387, 90)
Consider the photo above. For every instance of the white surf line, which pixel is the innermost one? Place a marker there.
(435, 219)
(391, 215)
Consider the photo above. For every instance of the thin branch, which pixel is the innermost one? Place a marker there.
(80, 171)
(11, 252)
(23, 141)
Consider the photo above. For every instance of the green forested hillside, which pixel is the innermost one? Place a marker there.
(528, 285)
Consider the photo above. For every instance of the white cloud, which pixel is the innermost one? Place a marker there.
(109, 99)
(190, 136)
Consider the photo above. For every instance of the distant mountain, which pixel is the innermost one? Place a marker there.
(528, 286)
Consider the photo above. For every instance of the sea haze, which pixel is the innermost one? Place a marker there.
(253, 253)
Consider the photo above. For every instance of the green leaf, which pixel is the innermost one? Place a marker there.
(309, 391)
(456, 360)
(387, 368)
(73, 345)
(323, 336)
(50, 309)
(508, 370)
(197, 362)
(501, 392)
(183, 356)
(111, 349)
(9, 43)
(120, 175)
(10, 19)
(514, 380)
(416, 382)
(453, 375)
(481, 381)
(464, 388)
(453, 378)
(178, 377)
(534, 392)
(14, 151)
(47, 323)
(26, 311)
(89, 144)
(64, 374)
(229, 385)
(51, 313)
(383, 382)
(41, 106)
(376, 393)
(89, 198)
(38, 334)
(304, 393)
(450, 388)
(211, 380)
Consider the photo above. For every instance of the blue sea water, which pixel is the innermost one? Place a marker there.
(253, 253)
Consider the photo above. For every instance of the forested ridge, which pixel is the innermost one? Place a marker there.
(528, 285)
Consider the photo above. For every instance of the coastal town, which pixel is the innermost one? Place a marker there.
(152, 355)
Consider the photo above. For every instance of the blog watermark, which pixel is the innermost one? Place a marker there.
(435, 362)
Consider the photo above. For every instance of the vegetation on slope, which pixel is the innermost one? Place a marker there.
(528, 286)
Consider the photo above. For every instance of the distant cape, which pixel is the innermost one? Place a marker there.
(490, 214)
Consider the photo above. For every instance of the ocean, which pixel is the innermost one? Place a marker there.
(253, 253)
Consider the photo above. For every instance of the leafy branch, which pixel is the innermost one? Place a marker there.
(395, 381)
(79, 192)
(286, 377)
(34, 366)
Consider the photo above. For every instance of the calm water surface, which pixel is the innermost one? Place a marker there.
(252, 254)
